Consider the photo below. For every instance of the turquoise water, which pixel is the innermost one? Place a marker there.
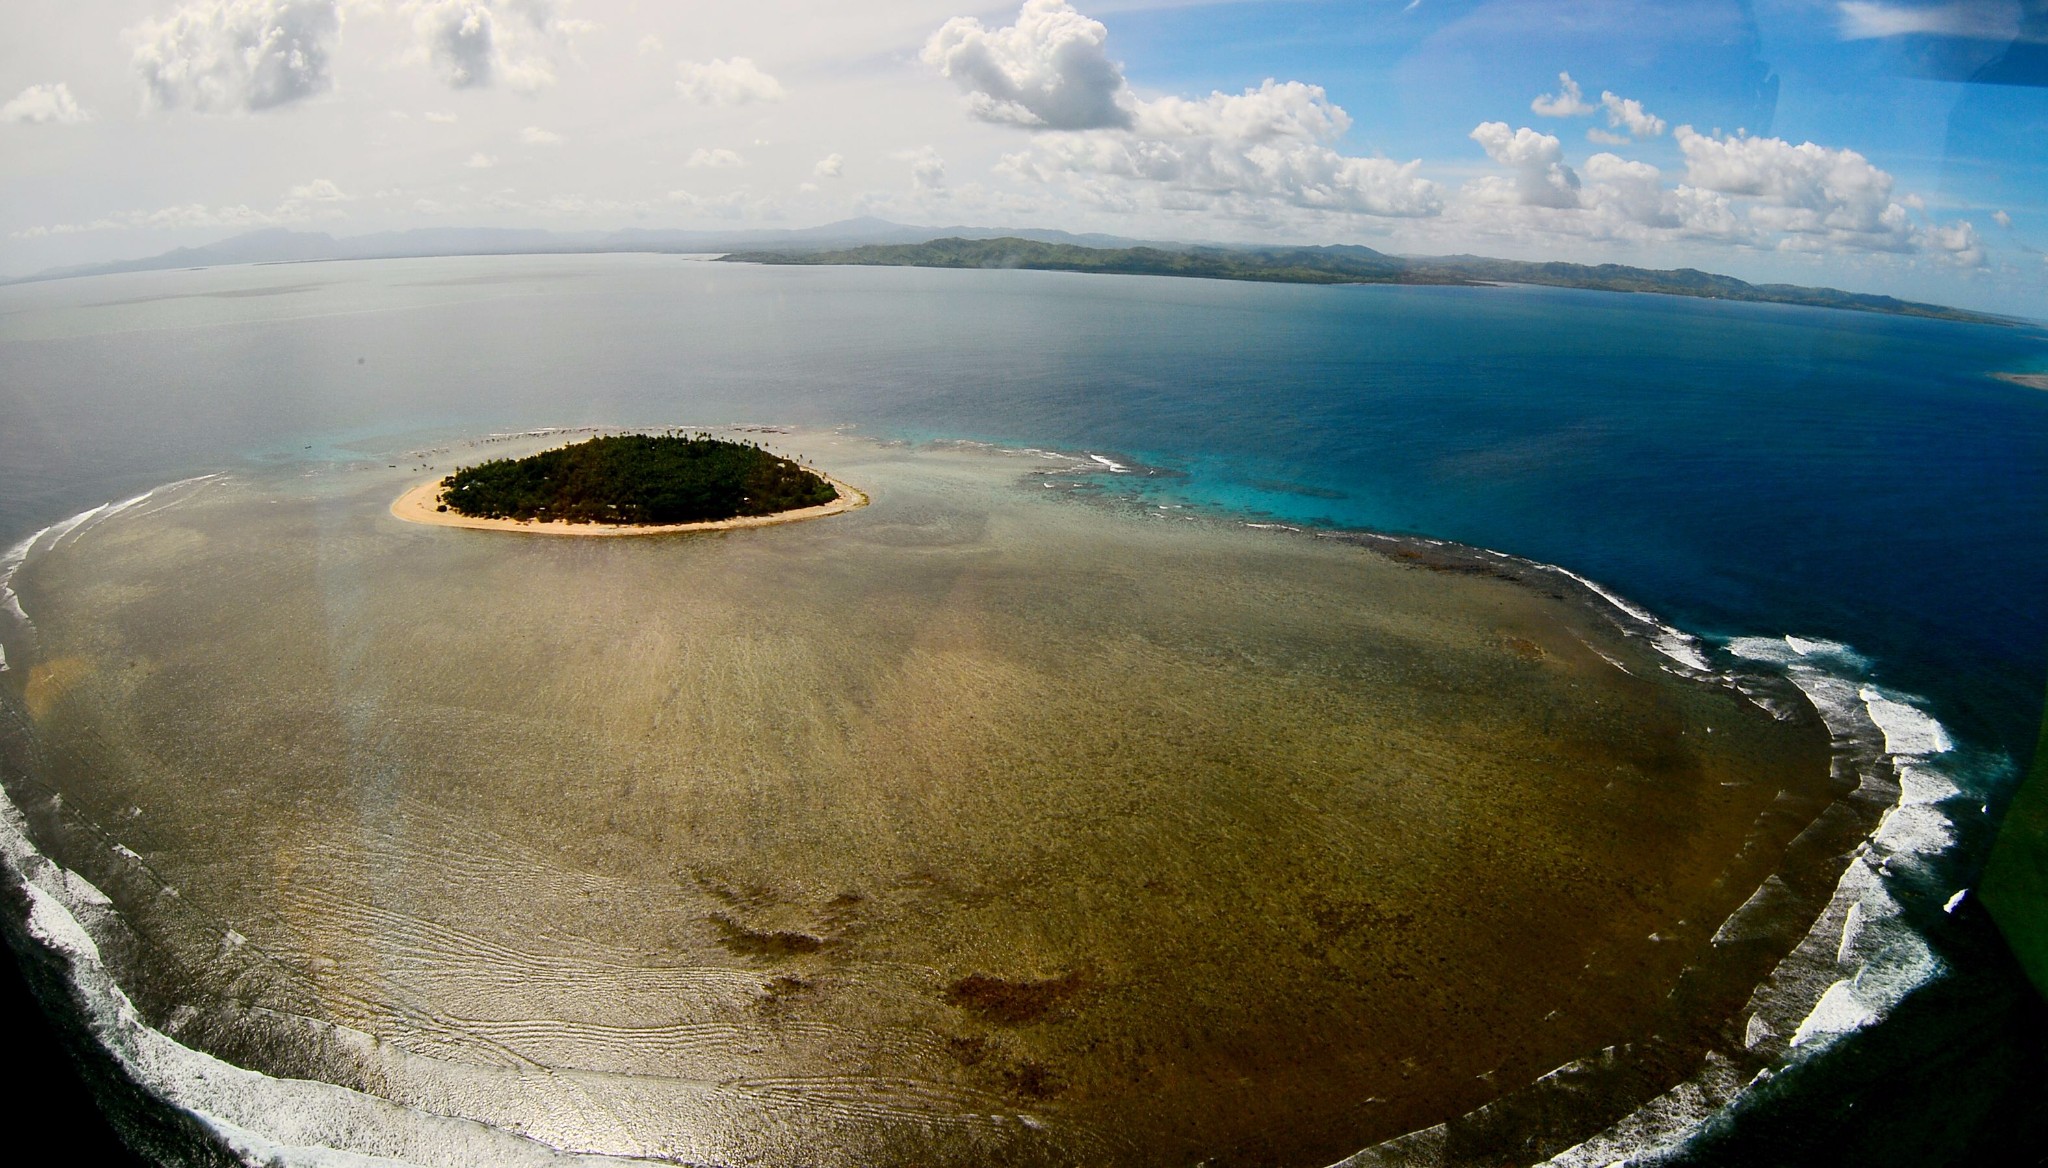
(1738, 469)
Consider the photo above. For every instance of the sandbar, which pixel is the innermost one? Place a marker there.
(2030, 380)
(419, 505)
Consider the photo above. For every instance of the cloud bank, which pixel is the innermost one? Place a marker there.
(1246, 155)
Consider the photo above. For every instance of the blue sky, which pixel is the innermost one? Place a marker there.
(1820, 141)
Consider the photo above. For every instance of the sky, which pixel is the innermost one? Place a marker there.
(1876, 145)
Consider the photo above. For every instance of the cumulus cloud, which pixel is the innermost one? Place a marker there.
(472, 47)
(1568, 102)
(1957, 243)
(1628, 113)
(1539, 177)
(45, 105)
(830, 166)
(1740, 190)
(440, 118)
(1623, 113)
(1235, 154)
(2001, 218)
(1246, 155)
(232, 56)
(717, 159)
(481, 161)
(1050, 69)
(1804, 190)
(729, 82)
(461, 38)
(535, 136)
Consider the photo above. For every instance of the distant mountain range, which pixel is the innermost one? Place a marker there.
(878, 242)
(280, 245)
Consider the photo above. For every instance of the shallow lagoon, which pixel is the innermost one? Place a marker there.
(986, 820)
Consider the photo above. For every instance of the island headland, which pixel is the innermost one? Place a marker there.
(630, 484)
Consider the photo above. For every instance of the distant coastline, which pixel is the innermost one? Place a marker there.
(1348, 264)
(877, 242)
(419, 505)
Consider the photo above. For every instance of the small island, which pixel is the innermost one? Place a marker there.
(630, 484)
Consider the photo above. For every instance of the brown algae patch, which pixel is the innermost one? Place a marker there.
(853, 843)
(1012, 1003)
(765, 943)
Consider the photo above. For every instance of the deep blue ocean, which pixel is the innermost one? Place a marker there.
(1739, 469)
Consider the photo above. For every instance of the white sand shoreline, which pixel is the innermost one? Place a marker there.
(419, 505)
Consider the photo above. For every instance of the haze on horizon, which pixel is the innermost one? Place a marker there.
(1873, 145)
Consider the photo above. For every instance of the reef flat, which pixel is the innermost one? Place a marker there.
(984, 823)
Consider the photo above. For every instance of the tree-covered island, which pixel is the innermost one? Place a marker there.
(637, 480)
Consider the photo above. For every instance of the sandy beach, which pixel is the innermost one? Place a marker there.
(419, 505)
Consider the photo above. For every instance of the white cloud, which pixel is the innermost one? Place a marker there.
(1622, 112)
(718, 159)
(481, 161)
(1626, 112)
(45, 105)
(1761, 193)
(2001, 218)
(461, 38)
(1987, 20)
(1607, 137)
(1957, 243)
(927, 168)
(230, 56)
(1568, 102)
(535, 136)
(649, 44)
(830, 166)
(1248, 155)
(1803, 190)
(735, 81)
(1050, 69)
(320, 190)
(471, 47)
(439, 118)
(1238, 155)
(1540, 177)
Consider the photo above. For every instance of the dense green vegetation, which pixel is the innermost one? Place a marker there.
(637, 479)
(1345, 265)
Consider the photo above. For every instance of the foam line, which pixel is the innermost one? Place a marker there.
(288, 1123)
(1678, 645)
(76, 525)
